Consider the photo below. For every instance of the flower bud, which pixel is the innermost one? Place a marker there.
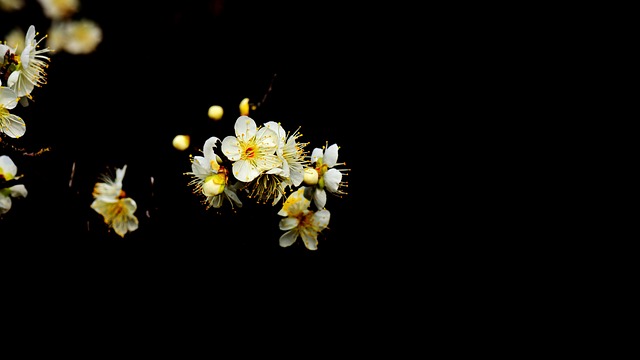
(310, 176)
(181, 142)
(244, 106)
(214, 184)
(215, 112)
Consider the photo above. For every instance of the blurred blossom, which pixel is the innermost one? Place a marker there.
(15, 38)
(181, 142)
(215, 112)
(75, 36)
(244, 106)
(301, 222)
(11, 5)
(8, 171)
(56, 38)
(111, 202)
(59, 9)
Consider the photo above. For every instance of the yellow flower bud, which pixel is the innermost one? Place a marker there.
(310, 176)
(214, 184)
(215, 112)
(181, 142)
(244, 106)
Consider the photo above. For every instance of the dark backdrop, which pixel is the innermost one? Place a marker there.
(154, 75)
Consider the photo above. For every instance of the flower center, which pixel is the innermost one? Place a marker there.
(249, 152)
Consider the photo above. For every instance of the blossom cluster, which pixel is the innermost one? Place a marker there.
(22, 70)
(268, 164)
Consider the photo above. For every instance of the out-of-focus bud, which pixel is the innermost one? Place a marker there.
(215, 112)
(181, 142)
(244, 106)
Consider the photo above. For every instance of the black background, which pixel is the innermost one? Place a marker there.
(153, 76)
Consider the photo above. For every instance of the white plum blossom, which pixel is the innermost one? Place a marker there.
(252, 150)
(329, 177)
(211, 179)
(301, 222)
(30, 66)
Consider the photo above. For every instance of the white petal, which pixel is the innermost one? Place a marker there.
(279, 130)
(245, 128)
(320, 198)
(8, 166)
(18, 191)
(233, 196)
(120, 176)
(30, 35)
(5, 204)
(316, 154)
(200, 167)
(332, 180)
(310, 239)
(8, 98)
(288, 223)
(244, 171)
(267, 138)
(208, 148)
(288, 238)
(231, 148)
(13, 126)
(331, 155)
(321, 219)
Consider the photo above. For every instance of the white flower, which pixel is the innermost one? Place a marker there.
(300, 221)
(30, 67)
(329, 177)
(290, 152)
(8, 171)
(252, 150)
(111, 202)
(211, 179)
(10, 124)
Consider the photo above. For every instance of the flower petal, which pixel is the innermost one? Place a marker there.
(288, 223)
(231, 148)
(330, 157)
(332, 180)
(5, 204)
(13, 126)
(244, 171)
(288, 238)
(8, 166)
(320, 198)
(245, 128)
(18, 191)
